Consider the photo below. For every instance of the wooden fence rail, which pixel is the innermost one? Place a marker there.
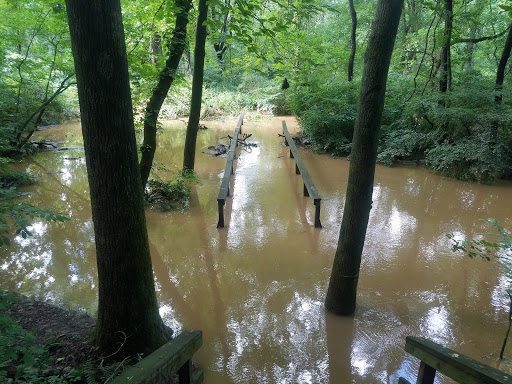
(300, 169)
(162, 365)
(228, 171)
(462, 369)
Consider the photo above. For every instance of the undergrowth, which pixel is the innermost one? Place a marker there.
(22, 360)
(462, 134)
(172, 194)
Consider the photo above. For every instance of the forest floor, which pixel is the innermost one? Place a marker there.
(66, 333)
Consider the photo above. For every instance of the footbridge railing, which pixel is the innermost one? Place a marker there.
(436, 358)
(300, 169)
(228, 171)
(173, 358)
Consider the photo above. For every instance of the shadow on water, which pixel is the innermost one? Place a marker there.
(256, 287)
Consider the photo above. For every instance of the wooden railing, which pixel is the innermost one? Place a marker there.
(436, 358)
(162, 365)
(300, 169)
(228, 171)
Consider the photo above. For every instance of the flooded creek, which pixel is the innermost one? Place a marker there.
(256, 287)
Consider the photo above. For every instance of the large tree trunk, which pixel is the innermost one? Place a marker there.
(500, 73)
(353, 29)
(445, 80)
(341, 295)
(166, 78)
(189, 152)
(127, 306)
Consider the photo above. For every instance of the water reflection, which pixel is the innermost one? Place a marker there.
(256, 288)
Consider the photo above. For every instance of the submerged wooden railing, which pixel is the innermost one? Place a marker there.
(462, 369)
(228, 171)
(162, 365)
(300, 169)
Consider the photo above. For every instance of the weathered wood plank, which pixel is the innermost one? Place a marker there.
(228, 171)
(313, 192)
(163, 364)
(300, 168)
(455, 365)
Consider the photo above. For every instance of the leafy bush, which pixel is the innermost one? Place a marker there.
(327, 113)
(173, 194)
(469, 159)
(397, 145)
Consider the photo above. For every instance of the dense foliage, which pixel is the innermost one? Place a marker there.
(252, 46)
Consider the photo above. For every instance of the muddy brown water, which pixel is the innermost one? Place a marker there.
(256, 288)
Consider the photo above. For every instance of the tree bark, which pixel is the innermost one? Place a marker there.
(155, 47)
(341, 294)
(445, 80)
(166, 78)
(353, 17)
(189, 152)
(127, 308)
(500, 73)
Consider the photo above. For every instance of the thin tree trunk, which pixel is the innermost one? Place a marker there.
(341, 295)
(445, 80)
(155, 47)
(498, 87)
(189, 152)
(166, 78)
(20, 142)
(128, 317)
(353, 17)
(188, 67)
(500, 73)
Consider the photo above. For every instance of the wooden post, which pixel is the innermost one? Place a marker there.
(221, 203)
(318, 224)
(426, 374)
(185, 373)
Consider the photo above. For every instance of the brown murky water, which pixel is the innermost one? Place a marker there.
(256, 287)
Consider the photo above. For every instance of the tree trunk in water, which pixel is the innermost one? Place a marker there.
(500, 73)
(166, 78)
(189, 152)
(353, 17)
(341, 295)
(127, 307)
(445, 80)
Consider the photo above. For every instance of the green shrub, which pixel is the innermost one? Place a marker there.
(469, 159)
(402, 144)
(326, 112)
(173, 194)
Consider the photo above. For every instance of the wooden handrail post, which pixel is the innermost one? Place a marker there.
(220, 223)
(228, 171)
(318, 224)
(426, 374)
(300, 169)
